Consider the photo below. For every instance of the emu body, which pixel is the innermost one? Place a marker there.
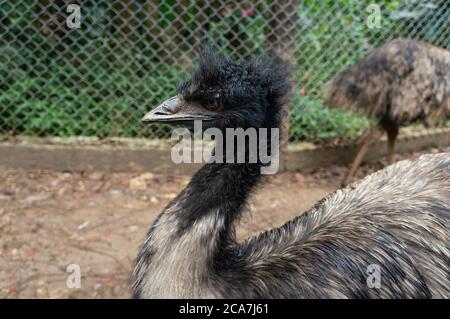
(398, 83)
(396, 219)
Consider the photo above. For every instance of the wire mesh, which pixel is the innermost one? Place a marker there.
(96, 76)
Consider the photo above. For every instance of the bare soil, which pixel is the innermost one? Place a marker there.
(49, 220)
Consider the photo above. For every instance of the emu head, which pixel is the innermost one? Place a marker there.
(223, 93)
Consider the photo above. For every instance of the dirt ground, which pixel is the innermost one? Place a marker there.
(49, 220)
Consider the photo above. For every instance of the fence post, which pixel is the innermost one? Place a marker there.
(282, 34)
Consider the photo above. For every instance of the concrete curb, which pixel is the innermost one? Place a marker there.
(307, 160)
(40, 154)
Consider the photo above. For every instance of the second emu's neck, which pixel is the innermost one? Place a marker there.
(179, 254)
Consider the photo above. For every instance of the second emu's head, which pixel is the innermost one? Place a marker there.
(223, 93)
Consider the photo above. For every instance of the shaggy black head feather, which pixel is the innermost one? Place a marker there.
(243, 93)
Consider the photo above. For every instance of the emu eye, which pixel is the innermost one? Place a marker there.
(212, 105)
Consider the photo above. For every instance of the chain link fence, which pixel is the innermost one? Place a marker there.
(97, 75)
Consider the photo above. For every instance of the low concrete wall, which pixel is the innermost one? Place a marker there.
(116, 158)
(89, 158)
(307, 160)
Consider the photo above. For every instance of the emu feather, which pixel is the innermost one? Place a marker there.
(396, 219)
(403, 81)
(398, 83)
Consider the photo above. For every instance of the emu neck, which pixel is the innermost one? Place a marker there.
(178, 256)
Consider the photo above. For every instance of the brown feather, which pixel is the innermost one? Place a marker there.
(401, 81)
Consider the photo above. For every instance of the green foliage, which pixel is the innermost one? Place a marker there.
(101, 84)
(335, 35)
(427, 20)
(311, 120)
(239, 34)
(60, 98)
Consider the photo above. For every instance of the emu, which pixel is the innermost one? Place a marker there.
(396, 220)
(398, 83)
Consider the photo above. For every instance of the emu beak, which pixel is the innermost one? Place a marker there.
(176, 109)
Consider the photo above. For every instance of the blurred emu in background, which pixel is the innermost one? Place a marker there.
(398, 83)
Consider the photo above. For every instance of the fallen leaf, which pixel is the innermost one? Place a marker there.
(31, 253)
(115, 192)
(140, 182)
(132, 228)
(96, 176)
(106, 186)
(30, 214)
(83, 225)
(146, 176)
(54, 183)
(34, 198)
(41, 292)
(106, 281)
(61, 191)
(5, 197)
(81, 186)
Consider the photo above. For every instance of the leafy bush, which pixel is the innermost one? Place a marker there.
(84, 89)
(101, 84)
(110, 106)
(312, 119)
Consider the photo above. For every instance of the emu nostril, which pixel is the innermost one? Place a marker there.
(163, 112)
(171, 106)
